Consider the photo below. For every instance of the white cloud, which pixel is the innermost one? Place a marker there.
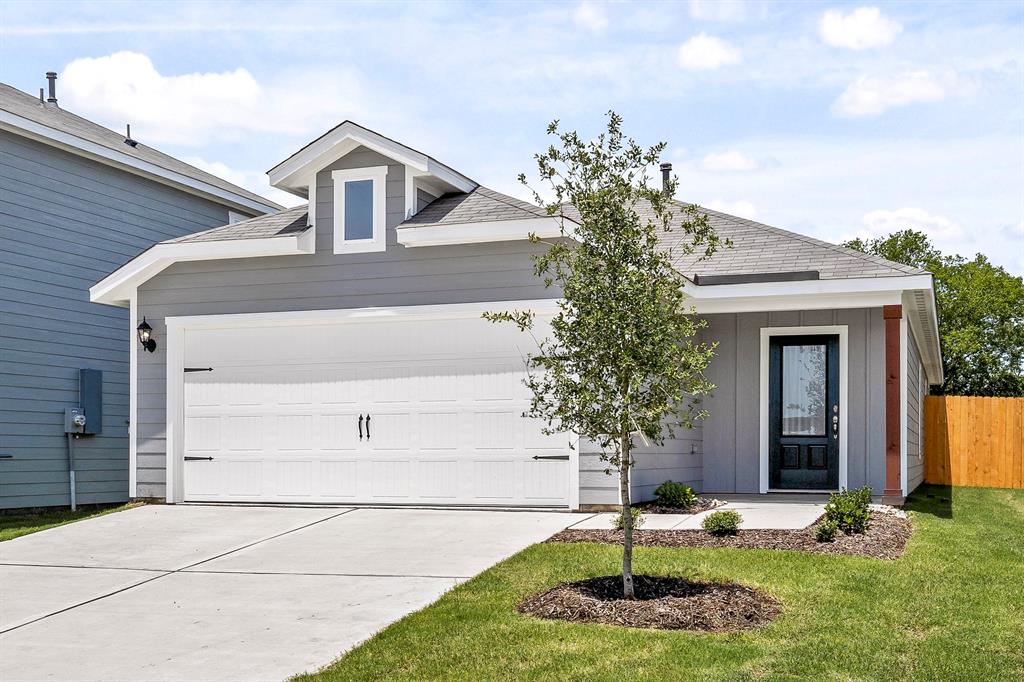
(883, 222)
(197, 108)
(861, 29)
(872, 95)
(590, 16)
(728, 162)
(718, 10)
(703, 53)
(254, 181)
(741, 208)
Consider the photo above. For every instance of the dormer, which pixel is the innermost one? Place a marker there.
(359, 184)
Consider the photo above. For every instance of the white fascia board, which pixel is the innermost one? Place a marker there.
(117, 287)
(478, 233)
(816, 286)
(98, 152)
(774, 303)
(348, 136)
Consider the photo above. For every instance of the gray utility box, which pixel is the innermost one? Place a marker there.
(90, 399)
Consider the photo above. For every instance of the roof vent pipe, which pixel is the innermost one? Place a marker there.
(42, 98)
(666, 176)
(51, 76)
(128, 136)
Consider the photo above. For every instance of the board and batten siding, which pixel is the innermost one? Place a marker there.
(916, 390)
(731, 432)
(65, 223)
(398, 276)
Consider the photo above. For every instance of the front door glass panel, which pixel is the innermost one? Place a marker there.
(803, 390)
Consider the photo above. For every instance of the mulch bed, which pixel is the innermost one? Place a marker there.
(886, 538)
(661, 603)
(702, 504)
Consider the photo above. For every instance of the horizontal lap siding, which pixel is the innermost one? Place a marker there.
(915, 417)
(731, 433)
(323, 281)
(66, 222)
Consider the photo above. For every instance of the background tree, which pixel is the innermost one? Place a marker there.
(981, 314)
(621, 358)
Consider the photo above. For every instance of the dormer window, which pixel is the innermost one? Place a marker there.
(360, 211)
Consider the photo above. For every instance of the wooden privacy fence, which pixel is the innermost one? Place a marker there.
(973, 441)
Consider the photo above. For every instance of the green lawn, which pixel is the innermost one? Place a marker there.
(14, 525)
(951, 609)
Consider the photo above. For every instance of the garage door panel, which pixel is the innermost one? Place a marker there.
(338, 431)
(243, 433)
(244, 477)
(437, 430)
(390, 478)
(294, 478)
(292, 432)
(445, 400)
(338, 478)
(438, 479)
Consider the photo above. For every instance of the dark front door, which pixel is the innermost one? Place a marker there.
(803, 409)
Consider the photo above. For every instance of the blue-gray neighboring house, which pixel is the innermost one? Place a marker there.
(78, 200)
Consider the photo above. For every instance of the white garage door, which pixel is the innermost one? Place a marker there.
(410, 411)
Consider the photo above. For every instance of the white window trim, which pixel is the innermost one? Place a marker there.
(844, 393)
(379, 176)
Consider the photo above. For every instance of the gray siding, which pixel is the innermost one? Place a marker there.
(916, 390)
(323, 281)
(65, 223)
(731, 442)
(680, 460)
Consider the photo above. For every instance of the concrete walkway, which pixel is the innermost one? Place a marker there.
(233, 593)
(791, 513)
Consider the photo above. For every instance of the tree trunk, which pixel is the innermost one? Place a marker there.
(627, 518)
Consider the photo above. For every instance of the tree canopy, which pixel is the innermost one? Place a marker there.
(981, 314)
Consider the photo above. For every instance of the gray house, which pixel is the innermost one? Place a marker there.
(76, 201)
(334, 353)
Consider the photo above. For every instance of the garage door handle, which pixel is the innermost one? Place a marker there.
(360, 427)
(192, 459)
(367, 426)
(551, 456)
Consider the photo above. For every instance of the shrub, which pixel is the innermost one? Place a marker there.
(638, 519)
(848, 509)
(826, 531)
(722, 522)
(672, 494)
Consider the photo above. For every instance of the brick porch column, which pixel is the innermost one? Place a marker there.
(893, 493)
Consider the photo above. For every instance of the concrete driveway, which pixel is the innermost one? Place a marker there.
(233, 593)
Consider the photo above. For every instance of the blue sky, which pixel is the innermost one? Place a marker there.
(832, 119)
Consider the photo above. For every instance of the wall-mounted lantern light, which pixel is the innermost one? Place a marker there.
(146, 336)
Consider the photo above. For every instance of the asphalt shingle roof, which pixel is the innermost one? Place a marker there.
(756, 248)
(760, 249)
(285, 223)
(26, 106)
(479, 206)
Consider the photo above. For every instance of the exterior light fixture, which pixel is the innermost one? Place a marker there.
(146, 336)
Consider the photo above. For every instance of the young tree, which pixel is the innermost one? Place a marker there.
(622, 359)
(981, 314)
